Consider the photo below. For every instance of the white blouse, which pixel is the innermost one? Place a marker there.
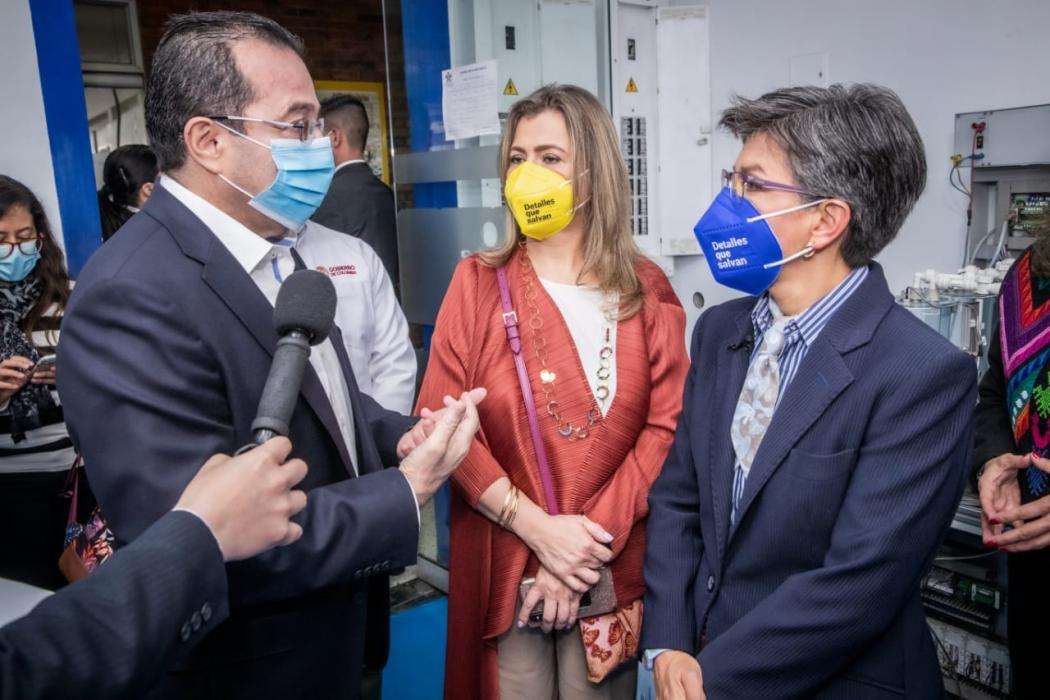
(584, 310)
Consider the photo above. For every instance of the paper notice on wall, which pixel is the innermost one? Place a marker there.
(469, 100)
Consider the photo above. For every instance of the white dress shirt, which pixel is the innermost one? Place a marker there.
(268, 264)
(375, 331)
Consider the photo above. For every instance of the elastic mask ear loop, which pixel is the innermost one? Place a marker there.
(246, 137)
(235, 186)
(569, 182)
(770, 215)
(807, 253)
(227, 180)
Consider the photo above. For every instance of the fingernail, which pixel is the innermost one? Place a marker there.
(608, 537)
(993, 521)
(520, 624)
(989, 544)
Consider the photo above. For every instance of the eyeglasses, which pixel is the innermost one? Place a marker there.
(305, 127)
(26, 247)
(739, 184)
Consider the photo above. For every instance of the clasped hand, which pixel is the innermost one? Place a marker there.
(1000, 495)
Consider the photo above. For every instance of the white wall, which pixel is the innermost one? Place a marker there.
(941, 56)
(25, 151)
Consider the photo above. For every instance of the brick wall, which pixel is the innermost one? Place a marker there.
(344, 39)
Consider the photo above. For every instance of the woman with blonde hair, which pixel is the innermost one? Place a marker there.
(580, 341)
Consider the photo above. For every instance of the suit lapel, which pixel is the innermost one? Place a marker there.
(240, 294)
(733, 360)
(821, 377)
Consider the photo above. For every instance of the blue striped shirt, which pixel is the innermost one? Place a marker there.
(799, 335)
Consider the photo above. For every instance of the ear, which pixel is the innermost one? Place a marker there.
(205, 142)
(337, 137)
(832, 220)
(145, 191)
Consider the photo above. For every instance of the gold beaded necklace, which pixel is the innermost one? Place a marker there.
(547, 377)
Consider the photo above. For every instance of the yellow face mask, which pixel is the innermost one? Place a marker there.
(540, 200)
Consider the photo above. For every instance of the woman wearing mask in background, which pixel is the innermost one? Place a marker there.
(127, 181)
(1011, 462)
(35, 449)
(602, 343)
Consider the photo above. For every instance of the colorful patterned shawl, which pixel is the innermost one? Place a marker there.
(1024, 335)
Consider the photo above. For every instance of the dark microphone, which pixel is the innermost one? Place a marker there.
(302, 316)
(746, 343)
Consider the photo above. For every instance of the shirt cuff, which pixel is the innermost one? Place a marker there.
(649, 656)
(206, 524)
(415, 499)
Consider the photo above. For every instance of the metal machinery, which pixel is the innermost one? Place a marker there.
(1006, 157)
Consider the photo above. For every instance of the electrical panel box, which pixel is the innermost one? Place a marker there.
(1004, 137)
(661, 102)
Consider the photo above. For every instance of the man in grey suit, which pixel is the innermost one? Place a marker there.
(357, 203)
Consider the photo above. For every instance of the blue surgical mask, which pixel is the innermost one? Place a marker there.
(304, 172)
(739, 245)
(17, 266)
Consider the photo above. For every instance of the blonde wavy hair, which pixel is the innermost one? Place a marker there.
(600, 178)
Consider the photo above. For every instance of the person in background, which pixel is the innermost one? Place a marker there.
(1011, 462)
(825, 431)
(602, 337)
(35, 450)
(374, 328)
(357, 203)
(127, 182)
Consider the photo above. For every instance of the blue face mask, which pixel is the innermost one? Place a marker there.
(304, 172)
(17, 266)
(740, 247)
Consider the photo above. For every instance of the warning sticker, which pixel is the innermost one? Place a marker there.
(510, 89)
(632, 86)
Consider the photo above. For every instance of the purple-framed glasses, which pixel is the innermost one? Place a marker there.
(739, 184)
(28, 247)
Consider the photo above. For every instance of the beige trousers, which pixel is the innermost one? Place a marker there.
(538, 666)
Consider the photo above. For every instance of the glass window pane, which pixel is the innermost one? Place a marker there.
(104, 33)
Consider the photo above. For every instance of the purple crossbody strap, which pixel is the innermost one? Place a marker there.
(510, 323)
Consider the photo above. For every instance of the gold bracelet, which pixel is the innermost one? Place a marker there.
(506, 506)
(513, 509)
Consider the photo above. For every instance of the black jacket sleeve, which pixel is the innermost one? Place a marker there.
(994, 432)
(114, 633)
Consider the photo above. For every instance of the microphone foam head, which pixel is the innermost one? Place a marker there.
(306, 302)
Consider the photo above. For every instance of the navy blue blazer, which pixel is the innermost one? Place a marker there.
(166, 345)
(112, 634)
(815, 591)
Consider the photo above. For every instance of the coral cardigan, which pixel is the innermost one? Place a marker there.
(605, 476)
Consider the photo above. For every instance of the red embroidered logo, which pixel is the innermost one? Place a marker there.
(337, 270)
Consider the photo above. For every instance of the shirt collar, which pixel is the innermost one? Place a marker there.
(810, 322)
(247, 247)
(348, 162)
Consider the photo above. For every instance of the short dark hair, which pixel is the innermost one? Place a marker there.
(349, 115)
(194, 74)
(854, 142)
